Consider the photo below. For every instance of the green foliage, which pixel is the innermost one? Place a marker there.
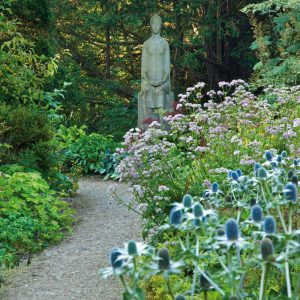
(93, 153)
(31, 217)
(276, 30)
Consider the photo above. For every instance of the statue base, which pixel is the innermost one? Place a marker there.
(147, 114)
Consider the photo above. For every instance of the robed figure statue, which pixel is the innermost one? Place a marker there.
(155, 76)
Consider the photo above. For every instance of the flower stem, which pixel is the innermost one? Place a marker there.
(167, 279)
(263, 282)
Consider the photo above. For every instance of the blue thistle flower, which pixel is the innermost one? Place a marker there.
(269, 225)
(279, 158)
(175, 216)
(197, 222)
(290, 192)
(214, 187)
(256, 166)
(274, 164)
(252, 201)
(114, 255)
(132, 248)
(262, 173)
(180, 297)
(235, 176)
(229, 174)
(164, 261)
(187, 201)
(266, 249)
(284, 154)
(268, 155)
(256, 213)
(198, 210)
(290, 174)
(239, 172)
(294, 179)
(228, 198)
(296, 162)
(232, 230)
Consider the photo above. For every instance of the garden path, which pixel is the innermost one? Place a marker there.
(70, 270)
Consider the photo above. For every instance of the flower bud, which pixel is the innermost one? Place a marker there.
(239, 172)
(235, 176)
(290, 192)
(256, 166)
(198, 210)
(175, 216)
(214, 187)
(294, 179)
(296, 162)
(269, 225)
(180, 297)
(290, 174)
(220, 232)
(114, 255)
(262, 173)
(284, 154)
(252, 201)
(268, 155)
(187, 201)
(132, 248)
(231, 230)
(164, 261)
(266, 248)
(279, 158)
(256, 213)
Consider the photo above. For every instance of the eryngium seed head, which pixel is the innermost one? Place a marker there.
(252, 201)
(234, 175)
(228, 198)
(290, 192)
(214, 187)
(187, 201)
(198, 210)
(294, 179)
(239, 172)
(204, 283)
(164, 261)
(284, 154)
(175, 216)
(132, 248)
(231, 230)
(266, 248)
(290, 174)
(114, 255)
(262, 173)
(180, 297)
(269, 225)
(256, 213)
(268, 155)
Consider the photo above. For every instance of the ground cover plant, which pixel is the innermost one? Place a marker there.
(242, 245)
(230, 129)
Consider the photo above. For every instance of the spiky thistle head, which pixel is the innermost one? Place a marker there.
(114, 261)
(228, 198)
(187, 201)
(239, 172)
(256, 213)
(294, 179)
(132, 248)
(198, 210)
(262, 173)
(290, 174)
(279, 158)
(256, 166)
(180, 297)
(234, 175)
(284, 154)
(164, 259)
(268, 155)
(214, 187)
(269, 225)
(290, 192)
(175, 216)
(232, 230)
(266, 249)
(252, 201)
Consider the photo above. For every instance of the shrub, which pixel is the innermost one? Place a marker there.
(225, 252)
(232, 128)
(31, 217)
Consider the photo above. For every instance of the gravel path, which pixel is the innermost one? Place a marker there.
(70, 269)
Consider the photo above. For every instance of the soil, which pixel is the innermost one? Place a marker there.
(70, 270)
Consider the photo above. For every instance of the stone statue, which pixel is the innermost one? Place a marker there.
(155, 74)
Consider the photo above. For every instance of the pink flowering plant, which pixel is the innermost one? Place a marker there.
(244, 244)
(228, 127)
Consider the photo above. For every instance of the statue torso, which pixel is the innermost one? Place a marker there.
(155, 48)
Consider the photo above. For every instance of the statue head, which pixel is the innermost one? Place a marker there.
(155, 23)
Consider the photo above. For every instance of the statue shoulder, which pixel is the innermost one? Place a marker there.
(165, 41)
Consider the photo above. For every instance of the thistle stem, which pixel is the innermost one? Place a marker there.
(263, 282)
(287, 275)
(167, 279)
(205, 295)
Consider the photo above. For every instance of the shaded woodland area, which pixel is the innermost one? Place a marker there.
(209, 42)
